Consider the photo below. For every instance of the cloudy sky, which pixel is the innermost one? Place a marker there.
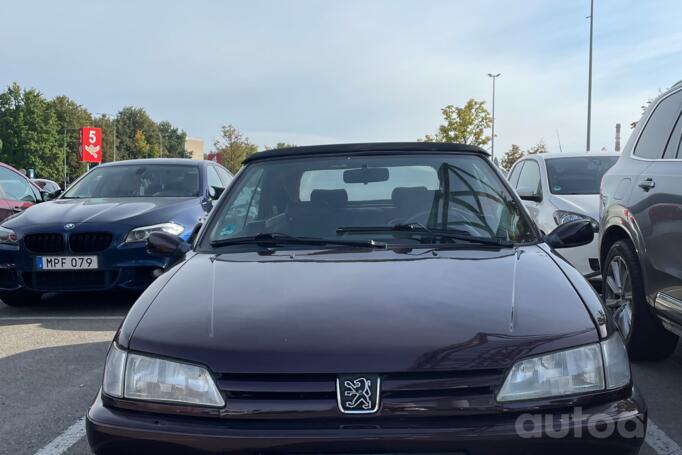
(318, 71)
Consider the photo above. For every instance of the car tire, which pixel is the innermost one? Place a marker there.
(20, 298)
(646, 339)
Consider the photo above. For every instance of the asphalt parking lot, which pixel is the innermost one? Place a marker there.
(51, 359)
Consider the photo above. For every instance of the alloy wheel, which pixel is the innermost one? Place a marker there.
(618, 294)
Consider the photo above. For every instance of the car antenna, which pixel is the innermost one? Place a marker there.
(559, 139)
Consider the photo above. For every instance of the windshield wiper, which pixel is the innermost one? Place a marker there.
(276, 238)
(450, 234)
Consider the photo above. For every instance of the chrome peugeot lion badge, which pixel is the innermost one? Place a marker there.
(358, 394)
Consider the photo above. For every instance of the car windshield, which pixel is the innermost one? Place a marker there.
(139, 180)
(388, 198)
(580, 175)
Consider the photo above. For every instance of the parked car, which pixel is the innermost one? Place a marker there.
(17, 193)
(369, 298)
(47, 185)
(92, 237)
(641, 231)
(558, 188)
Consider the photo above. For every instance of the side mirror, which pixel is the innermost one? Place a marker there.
(195, 232)
(165, 245)
(572, 234)
(528, 194)
(47, 196)
(215, 192)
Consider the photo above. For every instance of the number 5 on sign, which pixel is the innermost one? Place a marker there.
(91, 152)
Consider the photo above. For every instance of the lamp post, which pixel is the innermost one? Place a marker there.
(113, 120)
(589, 80)
(160, 145)
(65, 164)
(492, 146)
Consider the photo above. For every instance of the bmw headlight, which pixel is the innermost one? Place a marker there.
(7, 236)
(592, 368)
(140, 234)
(141, 377)
(562, 217)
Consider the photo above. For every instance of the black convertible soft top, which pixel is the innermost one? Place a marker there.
(366, 148)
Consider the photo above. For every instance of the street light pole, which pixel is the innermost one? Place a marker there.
(492, 146)
(589, 77)
(160, 145)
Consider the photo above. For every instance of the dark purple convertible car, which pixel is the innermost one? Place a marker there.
(368, 298)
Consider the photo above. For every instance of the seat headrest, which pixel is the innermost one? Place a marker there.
(403, 194)
(330, 198)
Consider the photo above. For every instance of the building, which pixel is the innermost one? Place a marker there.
(196, 147)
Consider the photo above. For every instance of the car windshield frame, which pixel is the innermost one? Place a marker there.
(203, 241)
(69, 193)
(550, 176)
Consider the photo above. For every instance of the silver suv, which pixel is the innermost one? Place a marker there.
(641, 231)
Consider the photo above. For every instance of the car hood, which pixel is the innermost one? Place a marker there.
(127, 211)
(584, 204)
(384, 311)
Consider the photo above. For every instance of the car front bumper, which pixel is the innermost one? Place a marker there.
(112, 430)
(124, 267)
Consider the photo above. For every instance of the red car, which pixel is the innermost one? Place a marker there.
(17, 192)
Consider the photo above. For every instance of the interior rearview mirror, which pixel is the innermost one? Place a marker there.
(366, 175)
(571, 234)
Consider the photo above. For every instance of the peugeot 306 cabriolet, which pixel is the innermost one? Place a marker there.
(368, 298)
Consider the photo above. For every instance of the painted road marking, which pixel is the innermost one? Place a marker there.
(64, 441)
(661, 442)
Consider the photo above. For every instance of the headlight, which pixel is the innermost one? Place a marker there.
(7, 236)
(140, 377)
(562, 217)
(574, 371)
(140, 234)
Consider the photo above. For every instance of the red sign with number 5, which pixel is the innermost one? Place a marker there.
(91, 145)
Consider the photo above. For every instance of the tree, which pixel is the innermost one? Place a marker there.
(173, 141)
(540, 147)
(464, 125)
(141, 148)
(129, 121)
(29, 132)
(512, 156)
(234, 147)
(70, 116)
(280, 145)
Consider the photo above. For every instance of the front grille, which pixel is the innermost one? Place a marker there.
(70, 280)
(44, 243)
(89, 242)
(403, 395)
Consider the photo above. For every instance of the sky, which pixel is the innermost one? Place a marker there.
(314, 71)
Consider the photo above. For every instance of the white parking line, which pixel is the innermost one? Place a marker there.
(64, 441)
(661, 442)
(57, 318)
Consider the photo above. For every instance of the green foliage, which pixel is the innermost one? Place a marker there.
(540, 147)
(234, 147)
(29, 131)
(70, 117)
(35, 131)
(280, 145)
(464, 125)
(512, 156)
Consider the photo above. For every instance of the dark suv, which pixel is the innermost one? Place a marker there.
(641, 231)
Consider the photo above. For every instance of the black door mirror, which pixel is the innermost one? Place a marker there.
(49, 196)
(215, 191)
(528, 194)
(572, 234)
(195, 232)
(165, 245)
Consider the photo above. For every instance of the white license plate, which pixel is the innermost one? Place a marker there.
(66, 262)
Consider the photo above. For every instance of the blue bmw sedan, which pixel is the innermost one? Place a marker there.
(92, 238)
